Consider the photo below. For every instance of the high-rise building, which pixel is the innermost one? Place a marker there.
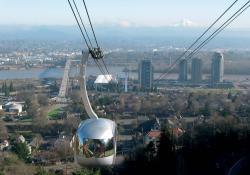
(217, 68)
(196, 74)
(145, 74)
(183, 70)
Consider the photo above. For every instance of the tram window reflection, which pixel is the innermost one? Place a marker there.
(97, 147)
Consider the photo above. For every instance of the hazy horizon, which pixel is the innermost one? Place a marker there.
(128, 13)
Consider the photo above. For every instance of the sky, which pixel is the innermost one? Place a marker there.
(125, 13)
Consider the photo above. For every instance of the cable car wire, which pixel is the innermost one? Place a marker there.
(82, 29)
(105, 66)
(82, 24)
(219, 30)
(92, 28)
(99, 66)
(78, 23)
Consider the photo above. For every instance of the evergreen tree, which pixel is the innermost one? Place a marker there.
(11, 88)
(6, 90)
(165, 154)
(21, 150)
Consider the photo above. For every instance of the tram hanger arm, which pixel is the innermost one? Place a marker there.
(83, 89)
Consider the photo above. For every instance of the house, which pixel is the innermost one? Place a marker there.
(4, 145)
(14, 107)
(149, 125)
(21, 139)
(177, 132)
(152, 136)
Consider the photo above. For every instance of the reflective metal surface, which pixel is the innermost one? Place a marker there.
(97, 148)
(96, 129)
(95, 143)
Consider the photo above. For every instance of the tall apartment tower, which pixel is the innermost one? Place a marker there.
(196, 74)
(145, 74)
(217, 68)
(183, 70)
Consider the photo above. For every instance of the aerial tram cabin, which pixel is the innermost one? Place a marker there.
(94, 143)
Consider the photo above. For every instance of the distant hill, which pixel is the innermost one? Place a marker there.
(176, 36)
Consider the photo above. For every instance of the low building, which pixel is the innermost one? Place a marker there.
(4, 145)
(14, 107)
(21, 139)
(152, 136)
(103, 82)
(149, 125)
(104, 79)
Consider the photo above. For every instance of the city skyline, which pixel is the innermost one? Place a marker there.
(128, 13)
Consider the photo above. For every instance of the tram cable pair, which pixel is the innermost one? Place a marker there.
(186, 55)
(95, 51)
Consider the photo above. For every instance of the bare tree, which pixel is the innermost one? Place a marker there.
(40, 117)
(122, 103)
(32, 108)
(71, 124)
(3, 131)
(62, 148)
(43, 100)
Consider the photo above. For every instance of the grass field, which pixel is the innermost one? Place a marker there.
(54, 114)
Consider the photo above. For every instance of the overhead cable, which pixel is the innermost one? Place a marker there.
(220, 29)
(78, 23)
(79, 15)
(215, 33)
(198, 39)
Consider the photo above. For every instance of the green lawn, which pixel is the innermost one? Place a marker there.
(54, 114)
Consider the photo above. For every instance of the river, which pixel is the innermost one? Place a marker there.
(92, 70)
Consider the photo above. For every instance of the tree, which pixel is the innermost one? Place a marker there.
(62, 148)
(42, 171)
(43, 100)
(165, 143)
(32, 107)
(21, 149)
(71, 124)
(6, 90)
(40, 118)
(135, 106)
(86, 171)
(37, 141)
(165, 153)
(179, 105)
(3, 131)
(206, 111)
(195, 107)
(26, 96)
(122, 103)
(11, 87)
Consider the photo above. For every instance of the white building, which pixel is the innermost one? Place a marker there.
(104, 79)
(4, 145)
(14, 107)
